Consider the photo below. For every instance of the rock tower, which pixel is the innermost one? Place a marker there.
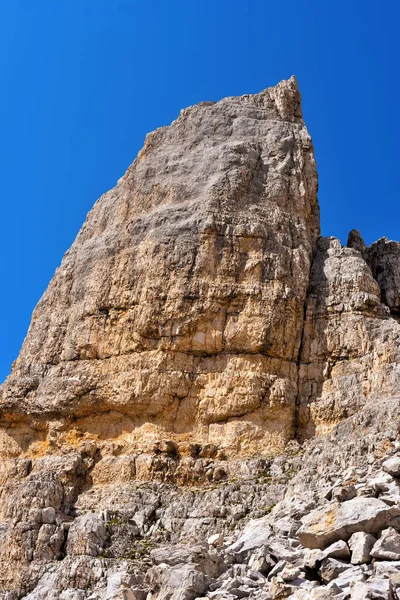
(200, 332)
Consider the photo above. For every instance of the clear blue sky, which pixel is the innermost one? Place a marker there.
(82, 81)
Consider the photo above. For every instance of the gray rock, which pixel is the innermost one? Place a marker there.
(181, 582)
(313, 558)
(376, 588)
(342, 493)
(261, 561)
(256, 575)
(289, 573)
(48, 515)
(384, 259)
(139, 593)
(204, 560)
(285, 527)
(392, 466)
(331, 568)
(388, 545)
(360, 545)
(339, 521)
(325, 593)
(348, 577)
(280, 565)
(386, 568)
(257, 533)
(72, 595)
(286, 549)
(86, 535)
(337, 550)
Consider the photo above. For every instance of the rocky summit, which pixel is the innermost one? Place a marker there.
(206, 404)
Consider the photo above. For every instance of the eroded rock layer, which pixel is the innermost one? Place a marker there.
(181, 302)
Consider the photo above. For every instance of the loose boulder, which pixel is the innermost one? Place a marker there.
(360, 545)
(392, 466)
(334, 522)
(257, 533)
(388, 545)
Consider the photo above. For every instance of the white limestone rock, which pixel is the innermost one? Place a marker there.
(360, 545)
(392, 466)
(388, 545)
(337, 521)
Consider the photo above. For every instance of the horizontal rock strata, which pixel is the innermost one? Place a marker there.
(206, 404)
(180, 303)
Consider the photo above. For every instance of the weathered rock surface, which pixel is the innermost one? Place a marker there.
(179, 307)
(392, 466)
(384, 259)
(361, 544)
(207, 403)
(350, 350)
(339, 521)
(388, 545)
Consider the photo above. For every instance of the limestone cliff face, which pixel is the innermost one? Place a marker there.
(199, 304)
(351, 342)
(179, 309)
(197, 331)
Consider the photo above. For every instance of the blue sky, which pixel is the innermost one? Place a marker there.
(83, 81)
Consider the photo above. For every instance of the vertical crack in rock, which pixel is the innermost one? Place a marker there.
(300, 401)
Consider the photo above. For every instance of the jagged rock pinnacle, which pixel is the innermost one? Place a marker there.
(355, 241)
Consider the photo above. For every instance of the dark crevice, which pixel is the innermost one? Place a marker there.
(296, 425)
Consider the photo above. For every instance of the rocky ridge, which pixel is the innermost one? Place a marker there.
(206, 403)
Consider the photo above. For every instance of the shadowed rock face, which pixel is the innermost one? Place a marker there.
(384, 259)
(197, 330)
(351, 345)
